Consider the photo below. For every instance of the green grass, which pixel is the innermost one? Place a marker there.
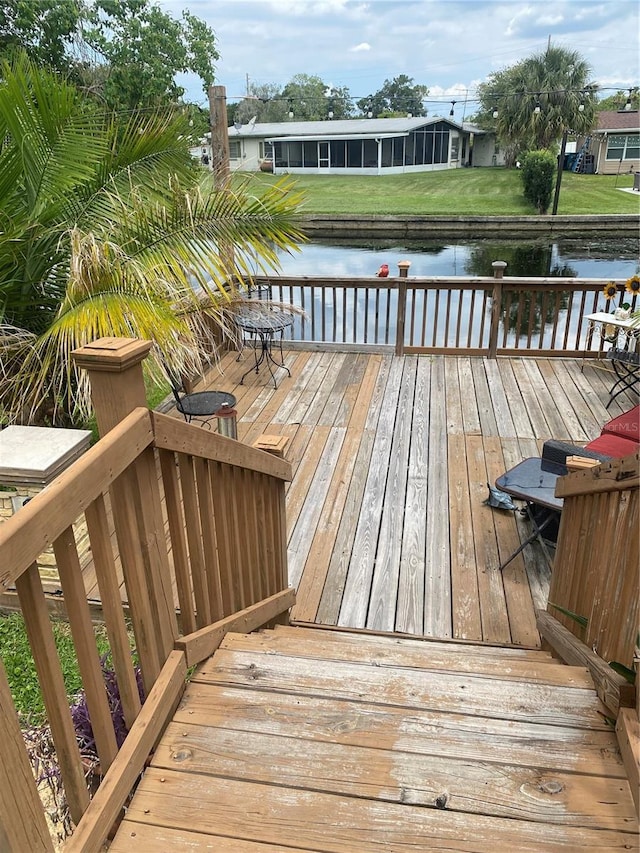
(456, 192)
(21, 671)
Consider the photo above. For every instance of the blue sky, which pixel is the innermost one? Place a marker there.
(449, 46)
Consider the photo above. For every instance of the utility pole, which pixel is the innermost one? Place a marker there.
(563, 148)
(219, 135)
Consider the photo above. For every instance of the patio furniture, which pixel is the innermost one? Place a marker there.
(534, 482)
(619, 437)
(626, 365)
(201, 406)
(265, 325)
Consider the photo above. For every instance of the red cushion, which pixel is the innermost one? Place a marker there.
(626, 425)
(613, 445)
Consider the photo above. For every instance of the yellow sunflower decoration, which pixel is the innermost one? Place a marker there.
(610, 290)
(632, 285)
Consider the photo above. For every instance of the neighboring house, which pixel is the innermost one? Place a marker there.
(615, 143)
(360, 146)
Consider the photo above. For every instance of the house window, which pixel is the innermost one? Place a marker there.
(235, 151)
(620, 147)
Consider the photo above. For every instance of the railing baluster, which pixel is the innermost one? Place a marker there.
(75, 600)
(209, 539)
(111, 603)
(194, 539)
(168, 465)
(49, 671)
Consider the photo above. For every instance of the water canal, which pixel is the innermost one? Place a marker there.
(588, 258)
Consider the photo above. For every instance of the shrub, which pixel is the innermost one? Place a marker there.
(538, 169)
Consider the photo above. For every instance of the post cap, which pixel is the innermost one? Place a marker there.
(111, 354)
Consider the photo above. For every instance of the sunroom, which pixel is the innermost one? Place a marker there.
(386, 146)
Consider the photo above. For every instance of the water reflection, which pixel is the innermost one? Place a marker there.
(612, 258)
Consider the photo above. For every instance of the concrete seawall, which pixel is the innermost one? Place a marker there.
(424, 227)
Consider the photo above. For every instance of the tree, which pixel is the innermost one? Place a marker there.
(44, 29)
(310, 99)
(126, 51)
(618, 102)
(264, 101)
(143, 49)
(104, 230)
(396, 97)
(536, 100)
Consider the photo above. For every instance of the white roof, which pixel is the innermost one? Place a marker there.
(337, 128)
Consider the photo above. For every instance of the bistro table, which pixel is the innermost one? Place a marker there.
(614, 330)
(534, 482)
(265, 325)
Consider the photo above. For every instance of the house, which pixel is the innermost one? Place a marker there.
(615, 143)
(384, 146)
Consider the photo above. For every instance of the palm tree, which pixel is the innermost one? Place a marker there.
(107, 227)
(530, 104)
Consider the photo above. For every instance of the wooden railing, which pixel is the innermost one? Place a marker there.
(472, 316)
(594, 588)
(201, 549)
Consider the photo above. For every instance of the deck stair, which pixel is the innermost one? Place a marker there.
(307, 739)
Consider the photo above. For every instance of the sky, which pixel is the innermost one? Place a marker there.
(450, 46)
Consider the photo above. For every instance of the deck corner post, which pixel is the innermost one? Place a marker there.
(400, 316)
(114, 366)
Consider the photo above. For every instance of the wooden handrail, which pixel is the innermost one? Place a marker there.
(595, 573)
(442, 314)
(25, 535)
(224, 552)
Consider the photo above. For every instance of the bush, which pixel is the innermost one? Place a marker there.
(538, 170)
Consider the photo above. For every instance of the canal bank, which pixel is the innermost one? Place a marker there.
(409, 227)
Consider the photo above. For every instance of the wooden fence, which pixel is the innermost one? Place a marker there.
(471, 316)
(199, 522)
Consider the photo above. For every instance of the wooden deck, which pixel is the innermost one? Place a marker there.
(317, 740)
(391, 458)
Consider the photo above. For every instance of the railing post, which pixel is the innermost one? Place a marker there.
(114, 366)
(117, 388)
(400, 316)
(496, 306)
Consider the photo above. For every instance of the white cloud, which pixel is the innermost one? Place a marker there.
(439, 44)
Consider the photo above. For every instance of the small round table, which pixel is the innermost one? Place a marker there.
(203, 405)
(264, 324)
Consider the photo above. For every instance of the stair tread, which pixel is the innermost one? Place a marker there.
(387, 653)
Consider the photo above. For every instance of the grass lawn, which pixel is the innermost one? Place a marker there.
(21, 671)
(456, 192)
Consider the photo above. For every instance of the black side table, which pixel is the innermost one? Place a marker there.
(534, 482)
